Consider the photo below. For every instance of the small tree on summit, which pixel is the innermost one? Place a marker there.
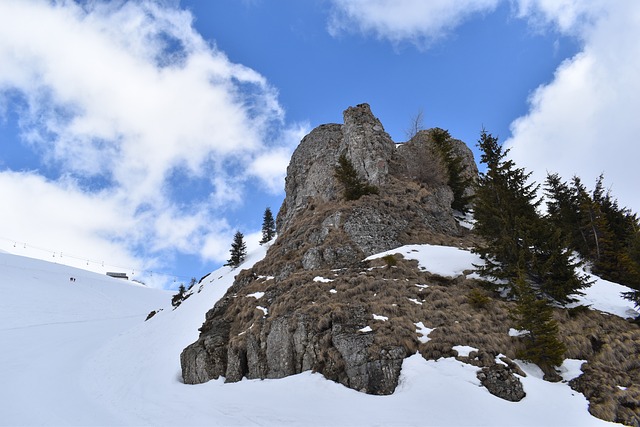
(238, 251)
(268, 227)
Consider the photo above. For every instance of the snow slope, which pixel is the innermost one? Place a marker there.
(80, 353)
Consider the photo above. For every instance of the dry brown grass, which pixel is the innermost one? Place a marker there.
(610, 344)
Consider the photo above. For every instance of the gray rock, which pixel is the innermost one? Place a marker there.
(501, 381)
(319, 230)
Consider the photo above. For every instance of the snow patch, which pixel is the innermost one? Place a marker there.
(377, 317)
(263, 309)
(415, 301)
(516, 333)
(464, 350)
(444, 261)
(322, 279)
(256, 295)
(423, 332)
(365, 329)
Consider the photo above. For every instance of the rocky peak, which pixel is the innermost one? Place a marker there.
(310, 175)
(318, 325)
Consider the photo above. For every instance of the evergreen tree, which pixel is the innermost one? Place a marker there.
(455, 169)
(177, 299)
(504, 210)
(517, 241)
(595, 226)
(354, 187)
(238, 251)
(535, 316)
(268, 226)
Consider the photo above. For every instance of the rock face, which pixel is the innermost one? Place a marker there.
(310, 175)
(307, 327)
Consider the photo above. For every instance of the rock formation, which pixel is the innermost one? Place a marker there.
(313, 303)
(305, 326)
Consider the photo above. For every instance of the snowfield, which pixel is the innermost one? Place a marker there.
(80, 353)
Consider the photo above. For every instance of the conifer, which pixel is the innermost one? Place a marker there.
(268, 226)
(535, 316)
(238, 251)
(455, 170)
(354, 187)
(517, 240)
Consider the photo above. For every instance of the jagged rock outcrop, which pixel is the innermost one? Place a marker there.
(325, 326)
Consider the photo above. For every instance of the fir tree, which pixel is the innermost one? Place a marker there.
(455, 170)
(516, 239)
(177, 299)
(504, 210)
(598, 229)
(238, 251)
(354, 187)
(535, 316)
(268, 226)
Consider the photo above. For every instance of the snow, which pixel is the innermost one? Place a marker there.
(415, 301)
(606, 296)
(322, 279)
(517, 333)
(365, 329)
(571, 368)
(378, 317)
(80, 353)
(441, 260)
(464, 350)
(263, 309)
(256, 295)
(333, 291)
(423, 332)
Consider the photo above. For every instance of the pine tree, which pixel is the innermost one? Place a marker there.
(597, 228)
(504, 210)
(268, 226)
(354, 187)
(535, 316)
(455, 170)
(517, 241)
(238, 251)
(177, 299)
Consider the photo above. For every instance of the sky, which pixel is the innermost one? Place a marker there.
(141, 135)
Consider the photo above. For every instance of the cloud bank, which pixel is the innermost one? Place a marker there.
(583, 122)
(127, 103)
(416, 21)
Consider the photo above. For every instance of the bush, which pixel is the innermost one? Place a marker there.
(390, 260)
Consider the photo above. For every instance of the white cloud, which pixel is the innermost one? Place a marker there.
(421, 22)
(585, 121)
(127, 94)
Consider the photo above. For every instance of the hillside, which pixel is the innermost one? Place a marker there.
(99, 363)
(364, 310)
(320, 301)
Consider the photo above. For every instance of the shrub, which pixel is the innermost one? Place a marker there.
(390, 260)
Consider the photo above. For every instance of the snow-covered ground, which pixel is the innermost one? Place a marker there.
(80, 353)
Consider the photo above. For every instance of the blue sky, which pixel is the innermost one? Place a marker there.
(144, 134)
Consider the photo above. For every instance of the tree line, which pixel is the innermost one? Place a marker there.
(534, 257)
